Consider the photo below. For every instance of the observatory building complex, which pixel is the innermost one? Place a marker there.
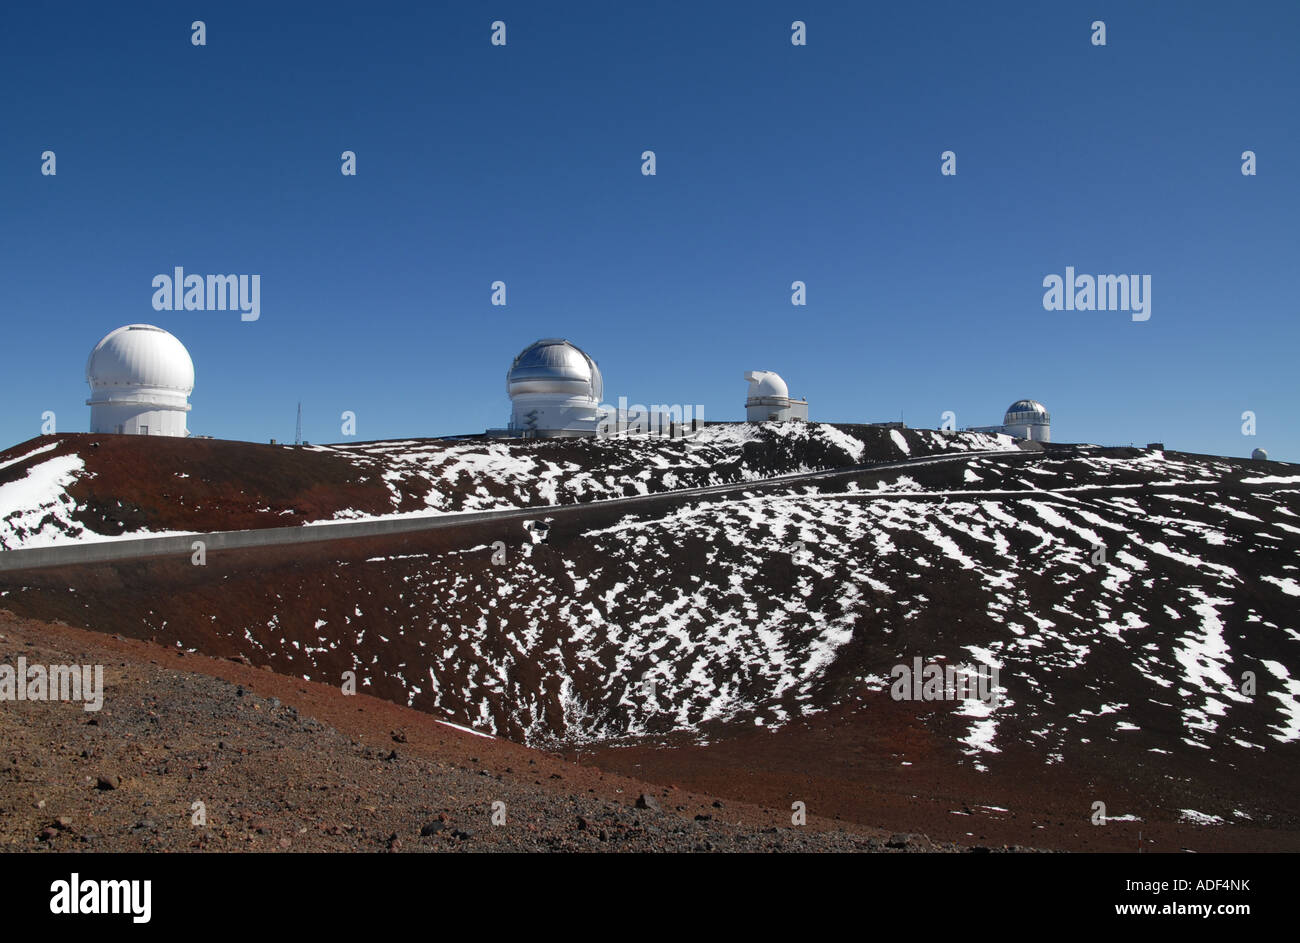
(140, 380)
(555, 390)
(1025, 419)
(769, 399)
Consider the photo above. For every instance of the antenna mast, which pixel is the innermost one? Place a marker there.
(297, 436)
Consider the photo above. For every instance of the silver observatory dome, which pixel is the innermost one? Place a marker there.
(554, 366)
(1026, 411)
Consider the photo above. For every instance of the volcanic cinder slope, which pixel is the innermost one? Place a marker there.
(73, 488)
(1140, 607)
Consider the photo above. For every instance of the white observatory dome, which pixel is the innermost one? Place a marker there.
(769, 398)
(765, 383)
(140, 379)
(1028, 419)
(555, 389)
(1259, 455)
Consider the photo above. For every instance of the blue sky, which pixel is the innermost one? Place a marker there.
(774, 163)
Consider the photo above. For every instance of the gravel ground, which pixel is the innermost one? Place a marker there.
(271, 777)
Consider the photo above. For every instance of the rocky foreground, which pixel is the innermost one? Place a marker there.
(285, 765)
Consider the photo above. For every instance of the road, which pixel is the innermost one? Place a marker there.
(136, 548)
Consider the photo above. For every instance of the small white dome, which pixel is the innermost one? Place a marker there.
(764, 384)
(140, 356)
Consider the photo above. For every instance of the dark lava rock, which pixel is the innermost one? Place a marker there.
(644, 801)
(433, 828)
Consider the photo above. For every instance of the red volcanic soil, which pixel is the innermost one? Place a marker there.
(288, 765)
(203, 484)
(138, 484)
(1116, 690)
(848, 765)
(870, 765)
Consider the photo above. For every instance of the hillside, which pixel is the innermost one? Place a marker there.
(280, 765)
(1121, 593)
(75, 486)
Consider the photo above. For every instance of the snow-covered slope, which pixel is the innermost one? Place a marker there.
(1111, 611)
(1124, 595)
(73, 488)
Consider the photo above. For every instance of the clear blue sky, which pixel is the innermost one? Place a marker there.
(775, 163)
